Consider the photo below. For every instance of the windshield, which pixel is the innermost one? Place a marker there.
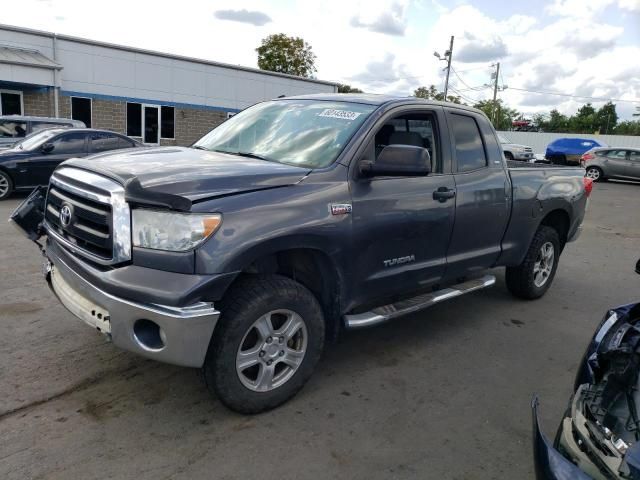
(35, 139)
(503, 139)
(308, 133)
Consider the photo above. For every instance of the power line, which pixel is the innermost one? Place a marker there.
(574, 96)
(464, 97)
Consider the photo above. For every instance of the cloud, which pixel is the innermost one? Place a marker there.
(244, 16)
(545, 75)
(631, 5)
(476, 49)
(392, 22)
(386, 74)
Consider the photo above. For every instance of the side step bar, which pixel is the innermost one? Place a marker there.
(403, 307)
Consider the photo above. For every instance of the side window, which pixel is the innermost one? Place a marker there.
(125, 143)
(415, 129)
(69, 143)
(634, 156)
(470, 152)
(617, 154)
(102, 142)
(12, 129)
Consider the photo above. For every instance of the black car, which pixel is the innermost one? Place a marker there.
(599, 436)
(31, 162)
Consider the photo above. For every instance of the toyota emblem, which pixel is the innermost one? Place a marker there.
(65, 215)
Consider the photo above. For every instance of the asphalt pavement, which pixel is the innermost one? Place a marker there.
(441, 394)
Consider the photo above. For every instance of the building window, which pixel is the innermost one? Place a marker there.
(134, 119)
(81, 110)
(167, 122)
(10, 102)
(144, 118)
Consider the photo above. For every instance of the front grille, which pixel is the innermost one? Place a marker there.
(528, 149)
(90, 224)
(88, 215)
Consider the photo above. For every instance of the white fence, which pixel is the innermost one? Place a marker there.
(540, 140)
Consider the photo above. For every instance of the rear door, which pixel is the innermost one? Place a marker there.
(616, 163)
(483, 195)
(106, 141)
(634, 164)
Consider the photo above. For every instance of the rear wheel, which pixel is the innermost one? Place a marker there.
(6, 185)
(594, 173)
(532, 278)
(266, 345)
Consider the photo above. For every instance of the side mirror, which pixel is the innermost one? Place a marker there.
(398, 161)
(638, 267)
(47, 147)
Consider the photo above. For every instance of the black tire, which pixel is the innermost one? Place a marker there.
(6, 185)
(246, 302)
(600, 177)
(508, 155)
(520, 280)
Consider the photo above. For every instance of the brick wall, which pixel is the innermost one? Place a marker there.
(38, 103)
(192, 123)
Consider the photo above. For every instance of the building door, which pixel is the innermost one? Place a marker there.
(151, 124)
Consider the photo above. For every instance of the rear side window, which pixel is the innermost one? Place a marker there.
(69, 144)
(102, 142)
(617, 154)
(470, 152)
(634, 156)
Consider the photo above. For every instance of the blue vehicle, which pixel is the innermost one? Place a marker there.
(567, 151)
(599, 436)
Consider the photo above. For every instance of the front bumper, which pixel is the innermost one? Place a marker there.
(522, 155)
(176, 335)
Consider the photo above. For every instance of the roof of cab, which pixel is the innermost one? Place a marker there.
(376, 99)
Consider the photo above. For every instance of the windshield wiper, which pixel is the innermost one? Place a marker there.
(246, 154)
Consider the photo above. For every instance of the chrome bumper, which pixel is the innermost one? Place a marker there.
(176, 335)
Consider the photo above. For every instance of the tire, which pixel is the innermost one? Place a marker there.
(595, 173)
(6, 185)
(533, 277)
(242, 338)
(508, 155)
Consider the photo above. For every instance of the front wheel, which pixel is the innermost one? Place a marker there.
(532, 278)
(266, 345)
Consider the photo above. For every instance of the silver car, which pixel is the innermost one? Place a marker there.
(513, 151)
(603, 163)
(14, 128)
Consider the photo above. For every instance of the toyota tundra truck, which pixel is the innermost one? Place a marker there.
(244, 254)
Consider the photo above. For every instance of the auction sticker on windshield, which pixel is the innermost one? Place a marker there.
(342, 114)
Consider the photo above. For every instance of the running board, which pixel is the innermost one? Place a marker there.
(403, 307)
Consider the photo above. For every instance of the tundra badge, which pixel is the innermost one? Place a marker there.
(399, 261)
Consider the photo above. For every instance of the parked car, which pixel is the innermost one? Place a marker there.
(31, 162)
(567, 151)
(14, 128)
(604, 163)
(292, 220)
(513, 151)
(599, 435)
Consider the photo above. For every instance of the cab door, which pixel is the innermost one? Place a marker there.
(483, 195)
(401, 225)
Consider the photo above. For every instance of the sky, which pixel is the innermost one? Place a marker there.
(589, 48)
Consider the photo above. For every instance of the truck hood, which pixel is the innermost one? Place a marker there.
(187, 173)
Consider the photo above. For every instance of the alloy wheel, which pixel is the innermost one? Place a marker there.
(4, 185)
(272, 350)
(543, 265)
(593, 173)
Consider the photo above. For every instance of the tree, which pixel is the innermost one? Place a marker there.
(606, 118)
(557, 122)
(629, 127)
(283, 54)
(432, 93)
(584, 121)
(500, 114)
(344, 88)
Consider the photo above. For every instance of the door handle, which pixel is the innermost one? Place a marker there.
(443, 194)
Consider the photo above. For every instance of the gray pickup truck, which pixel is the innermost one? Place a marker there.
(245, 253)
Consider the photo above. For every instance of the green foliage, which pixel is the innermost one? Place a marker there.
(586, 120)
(283, 54)
(344, 88)
(500, 115)
(432, 93)
(629, 127)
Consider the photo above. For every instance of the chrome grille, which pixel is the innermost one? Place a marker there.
(87, 214)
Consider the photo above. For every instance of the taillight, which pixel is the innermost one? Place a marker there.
(587, 156)
(588, 185)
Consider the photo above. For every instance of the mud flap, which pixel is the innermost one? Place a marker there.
(29, 215)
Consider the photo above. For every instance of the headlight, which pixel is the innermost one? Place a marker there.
(172, 231)
(519, 149)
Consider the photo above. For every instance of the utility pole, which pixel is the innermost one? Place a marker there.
(495, 93)
(449, 55)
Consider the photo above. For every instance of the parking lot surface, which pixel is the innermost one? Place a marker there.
(440, 394)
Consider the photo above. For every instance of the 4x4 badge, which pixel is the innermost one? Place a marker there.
(341, 208)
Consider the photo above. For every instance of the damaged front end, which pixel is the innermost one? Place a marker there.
(600, 434)
(28, 216)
